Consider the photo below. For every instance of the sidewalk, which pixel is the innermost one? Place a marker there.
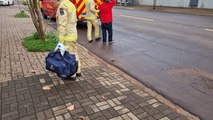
(102, 93)
(192, 11)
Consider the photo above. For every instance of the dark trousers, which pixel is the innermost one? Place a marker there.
(107, 27)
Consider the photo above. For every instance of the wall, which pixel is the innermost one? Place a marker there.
(177, 3)
(205, 4)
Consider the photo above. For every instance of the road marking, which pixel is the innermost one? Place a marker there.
(210, 30)
(146, 19)
(51, 23)
(130, 8)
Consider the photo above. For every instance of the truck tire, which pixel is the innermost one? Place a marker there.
(43, 14)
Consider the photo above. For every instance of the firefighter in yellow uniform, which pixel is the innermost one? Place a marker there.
(92, 20)
(66, 24)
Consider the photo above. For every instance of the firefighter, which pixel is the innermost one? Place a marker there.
(92, 20)
(66, 24)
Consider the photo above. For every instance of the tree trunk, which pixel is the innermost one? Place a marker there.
(35, 13)
(19, 6)
(40, 23)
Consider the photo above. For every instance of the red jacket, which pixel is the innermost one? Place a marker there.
(106, 11)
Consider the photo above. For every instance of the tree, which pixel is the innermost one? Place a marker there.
(34, 9)
(19, 6)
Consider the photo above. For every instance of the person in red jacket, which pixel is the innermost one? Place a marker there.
(106, 19)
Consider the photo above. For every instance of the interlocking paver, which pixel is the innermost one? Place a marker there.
(96, 115)
(100, 93)
(142, 115)
(48, 113)
(30, 117)
(94, 108)
(67, 116)
(40, 116)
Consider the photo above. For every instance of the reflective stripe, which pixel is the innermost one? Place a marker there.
(61, 37)
(70, 6)
(70, 37)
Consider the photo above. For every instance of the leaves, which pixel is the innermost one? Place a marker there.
(71, 107)
(32, 71)
(46, 87)
(82, 118)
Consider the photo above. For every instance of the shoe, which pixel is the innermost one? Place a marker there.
(110, 42)
(69, 78)
(90, 41)
(97, 39)
(78, 74)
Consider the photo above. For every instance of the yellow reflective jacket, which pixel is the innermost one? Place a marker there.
(90, 10)
(66, 21)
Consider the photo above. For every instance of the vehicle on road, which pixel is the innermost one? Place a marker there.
(7, 2)
(49, 8)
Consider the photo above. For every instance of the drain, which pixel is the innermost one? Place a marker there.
(201, 80)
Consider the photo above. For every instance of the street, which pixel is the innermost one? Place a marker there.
(170, 53)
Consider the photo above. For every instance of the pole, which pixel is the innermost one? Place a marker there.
(154, 4)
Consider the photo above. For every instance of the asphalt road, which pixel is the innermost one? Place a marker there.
(170, 53)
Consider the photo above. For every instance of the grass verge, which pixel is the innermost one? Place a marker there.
(34, 44)
(21, 15)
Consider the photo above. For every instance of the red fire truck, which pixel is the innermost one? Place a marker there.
(49, 8)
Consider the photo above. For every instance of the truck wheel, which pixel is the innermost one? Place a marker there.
(8, 4)
(43, 14)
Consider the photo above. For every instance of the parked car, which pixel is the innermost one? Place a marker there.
(6, 2)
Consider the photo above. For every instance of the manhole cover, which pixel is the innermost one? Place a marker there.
(200, 80)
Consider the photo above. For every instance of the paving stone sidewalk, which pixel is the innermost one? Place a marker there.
(100, 94)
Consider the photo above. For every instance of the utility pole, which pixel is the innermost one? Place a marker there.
(154, 4)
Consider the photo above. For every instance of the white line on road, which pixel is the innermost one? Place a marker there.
(210, 30)
(146, 19)
(51, 23)
(130, 8)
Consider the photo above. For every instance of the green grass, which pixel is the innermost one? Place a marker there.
(21, 15)
(34, 44)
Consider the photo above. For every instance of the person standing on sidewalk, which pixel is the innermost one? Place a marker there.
(66, 25)
(106, 19)
(91, 17)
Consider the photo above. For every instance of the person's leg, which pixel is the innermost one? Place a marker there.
(89, 31)
(110, 33)
(103, 27)
(96, 26)
(72, 47)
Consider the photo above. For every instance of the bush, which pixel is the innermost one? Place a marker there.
(34, 44)
(21, 15)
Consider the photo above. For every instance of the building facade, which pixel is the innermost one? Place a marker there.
(177, 3)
